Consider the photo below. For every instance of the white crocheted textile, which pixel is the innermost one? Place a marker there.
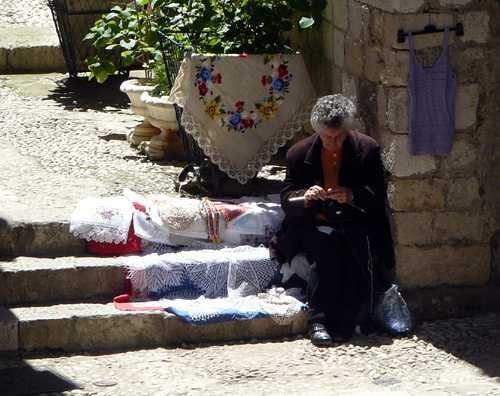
(242, 109)
(178, 213)
(102, 219)
(212, 272)
(281, 305)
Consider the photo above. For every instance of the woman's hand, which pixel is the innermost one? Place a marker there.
(315, 193)
(340, 194)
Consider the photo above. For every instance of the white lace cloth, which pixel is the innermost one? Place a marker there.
(282, 306)
(102, 219)
(208, 272)
(209, 280)
(242, 109)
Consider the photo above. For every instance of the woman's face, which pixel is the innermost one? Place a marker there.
(332, 138)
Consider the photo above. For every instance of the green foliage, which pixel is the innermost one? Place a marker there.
(132, 30)
(208, 26)
(160, 81)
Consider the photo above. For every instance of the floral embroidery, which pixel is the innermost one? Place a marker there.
(237, 118)
(139, 207)
(212, 109)
(107, 214)
(268, 109)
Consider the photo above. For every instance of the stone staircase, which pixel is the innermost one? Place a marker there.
(65, 302)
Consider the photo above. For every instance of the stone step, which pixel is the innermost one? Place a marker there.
(39, 239)
(30, 49)
(94, 326)
(29, 280)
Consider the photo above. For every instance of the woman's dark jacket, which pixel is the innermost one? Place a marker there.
(361, 170)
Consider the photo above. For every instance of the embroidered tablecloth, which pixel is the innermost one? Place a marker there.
(242, 108)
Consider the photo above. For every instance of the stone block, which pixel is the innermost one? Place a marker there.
(406, 195)
(39, 239)
(382, 105)
(416, 22)
(377, 25)
(328, 12)
(353, 60)
(355, 20)
(466, 102)
(401, 6)
(374, 64)
(463, 159)
(328, 44)
(349, 87)
(469, 63)
(463, 194)
(458, 3)
(340, 18)
(95, 332)
(458, 227)
(338, 48)
(398, 161)
(3, 60)
(443, 265)
(495, 256)
(397, 110)
(39, 59)
(476, 27)
(8, 330)
(5, 238)
(413, 228)
(397, 67)
(336, 82)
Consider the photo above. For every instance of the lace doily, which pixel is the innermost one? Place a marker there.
(102, 219)
(178, 213)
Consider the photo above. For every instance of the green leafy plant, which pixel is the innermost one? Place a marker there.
(160, 81)
(132, 30)
(251, 26)
(209, 26)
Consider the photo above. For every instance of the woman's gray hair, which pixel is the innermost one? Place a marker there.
(333, 111)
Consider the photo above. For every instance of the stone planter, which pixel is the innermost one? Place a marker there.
(144, 131)
(161, 114)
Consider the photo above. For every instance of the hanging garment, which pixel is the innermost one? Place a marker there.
(431, 104)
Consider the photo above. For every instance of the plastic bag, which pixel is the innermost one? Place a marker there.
(392, 313)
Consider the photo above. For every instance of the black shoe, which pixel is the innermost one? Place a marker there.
(319, 336)
(342, 331)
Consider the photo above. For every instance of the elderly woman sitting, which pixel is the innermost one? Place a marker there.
(333, 198)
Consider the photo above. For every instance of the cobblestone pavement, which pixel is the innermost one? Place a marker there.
(25, 13)
(448, 357)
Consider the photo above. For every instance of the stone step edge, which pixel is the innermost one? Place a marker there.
(94, 327)
(67, 278)
(30, 49)
(39, 239)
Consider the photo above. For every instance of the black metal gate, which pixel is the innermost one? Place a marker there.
(73, 20)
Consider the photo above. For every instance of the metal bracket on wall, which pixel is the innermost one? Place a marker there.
(430, 29)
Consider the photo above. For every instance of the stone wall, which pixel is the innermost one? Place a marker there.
(444, 209)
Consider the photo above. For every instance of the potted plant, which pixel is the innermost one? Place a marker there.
(211, 26)
(167, 145)
(131, 30)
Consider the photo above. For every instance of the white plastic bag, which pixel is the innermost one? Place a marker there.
(392, 313)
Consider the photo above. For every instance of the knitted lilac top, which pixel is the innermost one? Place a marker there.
(431, 104)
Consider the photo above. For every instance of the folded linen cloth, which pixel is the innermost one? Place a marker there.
(102, 219)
